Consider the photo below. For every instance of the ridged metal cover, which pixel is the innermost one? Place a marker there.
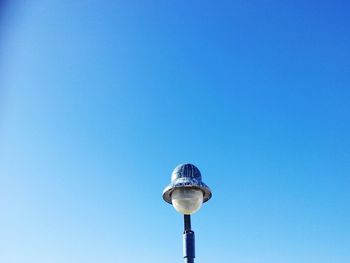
(186, 175)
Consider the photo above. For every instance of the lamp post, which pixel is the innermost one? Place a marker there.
(187, 193)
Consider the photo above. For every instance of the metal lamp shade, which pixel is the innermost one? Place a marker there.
(186, 176)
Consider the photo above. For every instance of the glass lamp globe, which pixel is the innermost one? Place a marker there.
(187, 201)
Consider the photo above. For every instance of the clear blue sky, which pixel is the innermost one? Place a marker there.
(100, 100)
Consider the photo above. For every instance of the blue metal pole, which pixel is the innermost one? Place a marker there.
(188, 241)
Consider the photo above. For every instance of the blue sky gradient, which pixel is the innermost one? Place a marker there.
(99, 101)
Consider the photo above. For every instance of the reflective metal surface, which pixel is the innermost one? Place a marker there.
(186, 175)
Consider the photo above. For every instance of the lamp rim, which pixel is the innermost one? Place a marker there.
(170, 188)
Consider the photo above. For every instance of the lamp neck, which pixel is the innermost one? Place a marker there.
(187, 223)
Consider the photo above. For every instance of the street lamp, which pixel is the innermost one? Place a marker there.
(187, 193)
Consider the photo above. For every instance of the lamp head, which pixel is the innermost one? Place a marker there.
(186, 192)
